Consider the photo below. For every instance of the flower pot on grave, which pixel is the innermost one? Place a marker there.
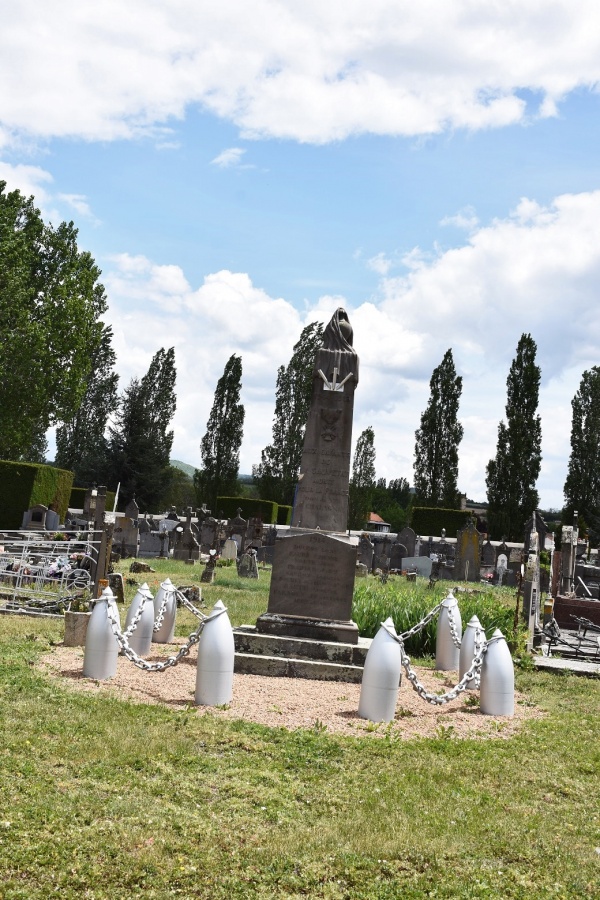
(76, 625)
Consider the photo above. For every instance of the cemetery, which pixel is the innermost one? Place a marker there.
(247, 673)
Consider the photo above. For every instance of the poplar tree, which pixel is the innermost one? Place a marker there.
(220, 446)
(277, 473)
(81, 442)
(362, 482)
(582, 485)
(139, 442)
(438, 439)
(512, 475)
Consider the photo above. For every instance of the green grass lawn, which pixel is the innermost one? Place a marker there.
(103, 798)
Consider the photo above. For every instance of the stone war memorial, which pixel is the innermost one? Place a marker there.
(314, 565)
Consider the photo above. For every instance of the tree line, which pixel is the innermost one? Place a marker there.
(57, 367)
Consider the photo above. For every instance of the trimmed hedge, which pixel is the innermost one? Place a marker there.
(284, 514)
(77, 498)
(23, 485)
(250, 508)
(428, 521)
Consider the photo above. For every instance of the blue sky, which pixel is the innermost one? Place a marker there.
(239, 172)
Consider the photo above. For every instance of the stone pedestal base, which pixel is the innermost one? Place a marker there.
(76, 625)
(306, 627)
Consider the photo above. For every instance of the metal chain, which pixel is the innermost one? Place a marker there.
(138, 615)
(188, 604)
(452, 694)
(421, 625)
(161, 612)
(452, 624)
(478, 645)
(132, 656)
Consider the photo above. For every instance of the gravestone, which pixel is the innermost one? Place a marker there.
(398, 552)
(150, 544)
(34, 519)
(361, 570)
(186, 546)
(236, 530)
(381, 554)
(468, 553)
(365, 551)
(311, 588)
(488, 554)
(248, 566)
(208, 574)
(408, 537)
(229, 550)
(208, 534)
(313, 572)
(422, 565)
(127, 532)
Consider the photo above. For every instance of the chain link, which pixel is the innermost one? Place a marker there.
(188, 604)
(421, 625)
(451, 622)
(133, 657)
(452, 694)
(161, 612)
(138, 615)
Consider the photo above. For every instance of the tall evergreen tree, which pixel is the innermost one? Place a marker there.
(512, 475)
(220, 446)
(277, 473)
(362, 482)
(438, 438)
(81, 443)
(139, 442)
(582, 485)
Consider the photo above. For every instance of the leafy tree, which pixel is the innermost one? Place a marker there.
(81, 445)
(50, 304)
(582, 485)
(221, 444)
(438, 438)
(392, 502)
(512, 474)
(277, 473)
(362, 482)
(139, 442)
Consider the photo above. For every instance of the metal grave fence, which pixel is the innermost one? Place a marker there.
(41, 574)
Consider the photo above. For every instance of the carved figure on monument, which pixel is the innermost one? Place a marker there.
(322, 494)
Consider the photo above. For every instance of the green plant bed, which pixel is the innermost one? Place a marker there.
(409, 602)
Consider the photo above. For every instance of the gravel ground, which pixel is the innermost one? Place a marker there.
(296, 702)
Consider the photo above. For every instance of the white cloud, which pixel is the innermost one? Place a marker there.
(228, 158)
(79, 203)
(536, 271)
(33, 180)
(465, 219)
(380, 264)
(311, 72)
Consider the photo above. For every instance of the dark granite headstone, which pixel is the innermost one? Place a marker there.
(398, 552)
(365, 551)
(408, 537)
(311, 588)
(489, 554)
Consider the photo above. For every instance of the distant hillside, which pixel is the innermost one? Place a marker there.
(189, 470)
(184, 467)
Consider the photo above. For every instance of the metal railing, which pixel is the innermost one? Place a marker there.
(40, 573)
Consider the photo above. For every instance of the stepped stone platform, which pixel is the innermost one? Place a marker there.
(292, 657)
